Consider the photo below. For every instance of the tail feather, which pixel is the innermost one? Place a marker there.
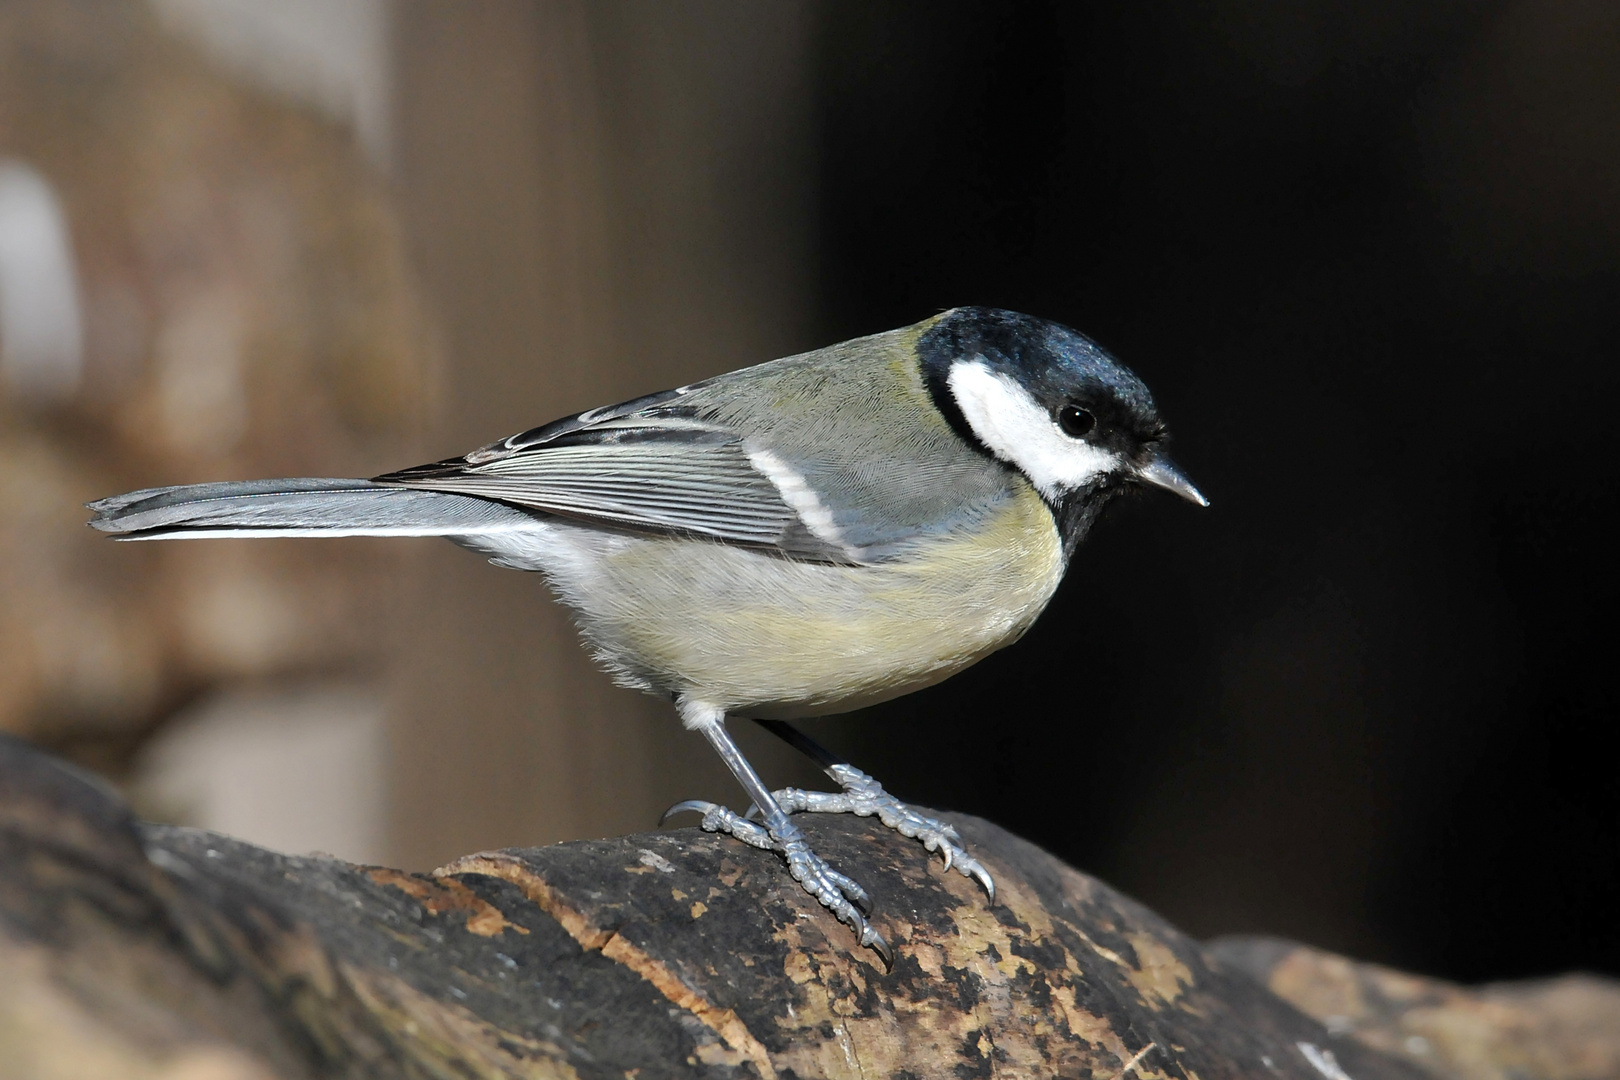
(300, 507)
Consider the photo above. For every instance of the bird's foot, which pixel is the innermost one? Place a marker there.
(864, 797)
(836, 892)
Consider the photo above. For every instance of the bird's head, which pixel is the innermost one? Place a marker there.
(1050, 403)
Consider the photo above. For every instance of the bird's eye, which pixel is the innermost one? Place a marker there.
(1075, 421)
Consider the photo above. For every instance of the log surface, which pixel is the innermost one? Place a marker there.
(142, 950)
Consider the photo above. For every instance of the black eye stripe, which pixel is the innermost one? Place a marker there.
(1075, 421)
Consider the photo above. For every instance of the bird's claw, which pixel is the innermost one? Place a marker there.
(880, 945)
(852, 889)
(829, 887)
(865, 797)
(720, 819)
(838, 893)
(687, 806)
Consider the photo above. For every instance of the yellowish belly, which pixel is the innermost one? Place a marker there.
(766, 636)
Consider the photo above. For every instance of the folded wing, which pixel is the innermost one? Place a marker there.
(653, 470)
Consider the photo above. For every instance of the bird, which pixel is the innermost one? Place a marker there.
(802, 537)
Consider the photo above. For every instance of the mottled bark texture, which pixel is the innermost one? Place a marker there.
(149, 951)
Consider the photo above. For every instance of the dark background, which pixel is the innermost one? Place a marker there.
(1365, 254)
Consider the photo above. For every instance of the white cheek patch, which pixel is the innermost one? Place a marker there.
(1018, 431)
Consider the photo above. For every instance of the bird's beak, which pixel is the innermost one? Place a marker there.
(1162, 472)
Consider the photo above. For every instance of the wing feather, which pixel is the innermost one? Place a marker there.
(649, 471)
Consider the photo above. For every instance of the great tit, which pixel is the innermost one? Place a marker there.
(798, 538)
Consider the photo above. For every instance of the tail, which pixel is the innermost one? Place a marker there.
(302, 507)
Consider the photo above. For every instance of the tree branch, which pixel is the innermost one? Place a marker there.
(680, 954)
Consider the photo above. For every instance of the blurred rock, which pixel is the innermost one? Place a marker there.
(246, 311)
(1566, 1027)
(293, 767)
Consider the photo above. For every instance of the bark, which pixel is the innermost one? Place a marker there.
(142, 950)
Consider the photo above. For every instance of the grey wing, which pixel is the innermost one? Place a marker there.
(643, 466)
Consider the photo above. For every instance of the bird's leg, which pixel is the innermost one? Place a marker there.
(865, 797)
(776, 831)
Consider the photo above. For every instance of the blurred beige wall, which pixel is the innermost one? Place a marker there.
(200, 279)
(602, 200)
(331, 239)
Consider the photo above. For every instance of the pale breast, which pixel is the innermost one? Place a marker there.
(767, 636)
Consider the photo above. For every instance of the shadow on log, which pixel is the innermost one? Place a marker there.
(135, 950)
